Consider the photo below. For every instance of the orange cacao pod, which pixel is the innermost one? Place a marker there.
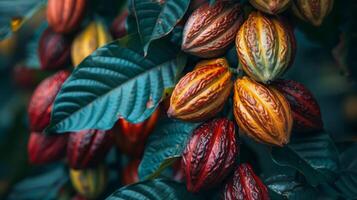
(41, 102)
(262, 112)
(271, 6)
(265, 47)
(130, 173)
(88, 148)
(209, 155)
(210, 29)
(43, 148)
(65, 15)
(306, 110)
(244, 184)
(313, 11)
(201, 94)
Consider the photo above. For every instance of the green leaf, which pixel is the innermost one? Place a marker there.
(115, 81)
(314, 155)
(158, 189)
(346, 184)
(164, 146)
(286, 187)
(157, 19)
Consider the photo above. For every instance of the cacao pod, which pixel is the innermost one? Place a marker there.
(305, 109)
(210, 29)
(178, 171)
(119, 26)
(65, 16)
(313, 11)
(89, 183)
(271, 6)
(26, 77)
(131, 138)
(209, 154)
(92, 37)
(350, 109)
(130, 173)
(53, 50)
(43, 148)
(88, 148)
(265, 46)
(41, 102)
(262, 112)
(201, 94)
(244, 184)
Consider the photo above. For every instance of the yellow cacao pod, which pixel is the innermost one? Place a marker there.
(313, 11)
(271, 6)
(201, 94)
(262, 112)
(93, 36)
(265, 47)
(91, 182)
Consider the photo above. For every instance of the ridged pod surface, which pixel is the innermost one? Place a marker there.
(201, 94)
(43, 149)
(90, 183)
(245, 185)
(65, 16)
(88, 148)
(130, 172)
(271, 6)
(210, 29)
(265, 46)
(53, 50)
(313, 11)
(92, 37)
(262, 112)
(306, 110)
(41, 102)
(209, 155)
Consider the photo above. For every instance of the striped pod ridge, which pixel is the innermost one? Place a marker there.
(313, 11)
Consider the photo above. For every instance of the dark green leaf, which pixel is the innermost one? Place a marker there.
(165, 144)
(314, 155)
(156, 19)
(346, 184)
(115, 81)
(158, 189)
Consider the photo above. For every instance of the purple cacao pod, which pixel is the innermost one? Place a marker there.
(209, 154)
(88, 148)
(244, 184)
(119, 26)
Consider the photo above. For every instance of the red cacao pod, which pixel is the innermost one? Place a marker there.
(26, 77)
(54, 50)
(210, 29)
(305, 109)
(131, 138)
(313, 11)
(43, 148)
(119, 26)
(130, 173)
(209, 155)
(65, 16)
(88, 148)
(244, 184)
(41, 102)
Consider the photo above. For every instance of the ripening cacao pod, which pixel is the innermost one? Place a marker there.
(209, 155)
(26, 77)
(92, 37)
(201, 94)
(131, 138)
(305, 109)
(88, 148)
(41, 102)
(245, 184)
(53, 50)
(43, 148)
(90, 183)
(262, 112)
(265, 47)
(313, 11)
(210, 29)
(130, 173)
(271, 6)
(65, 16)
(119, 26)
